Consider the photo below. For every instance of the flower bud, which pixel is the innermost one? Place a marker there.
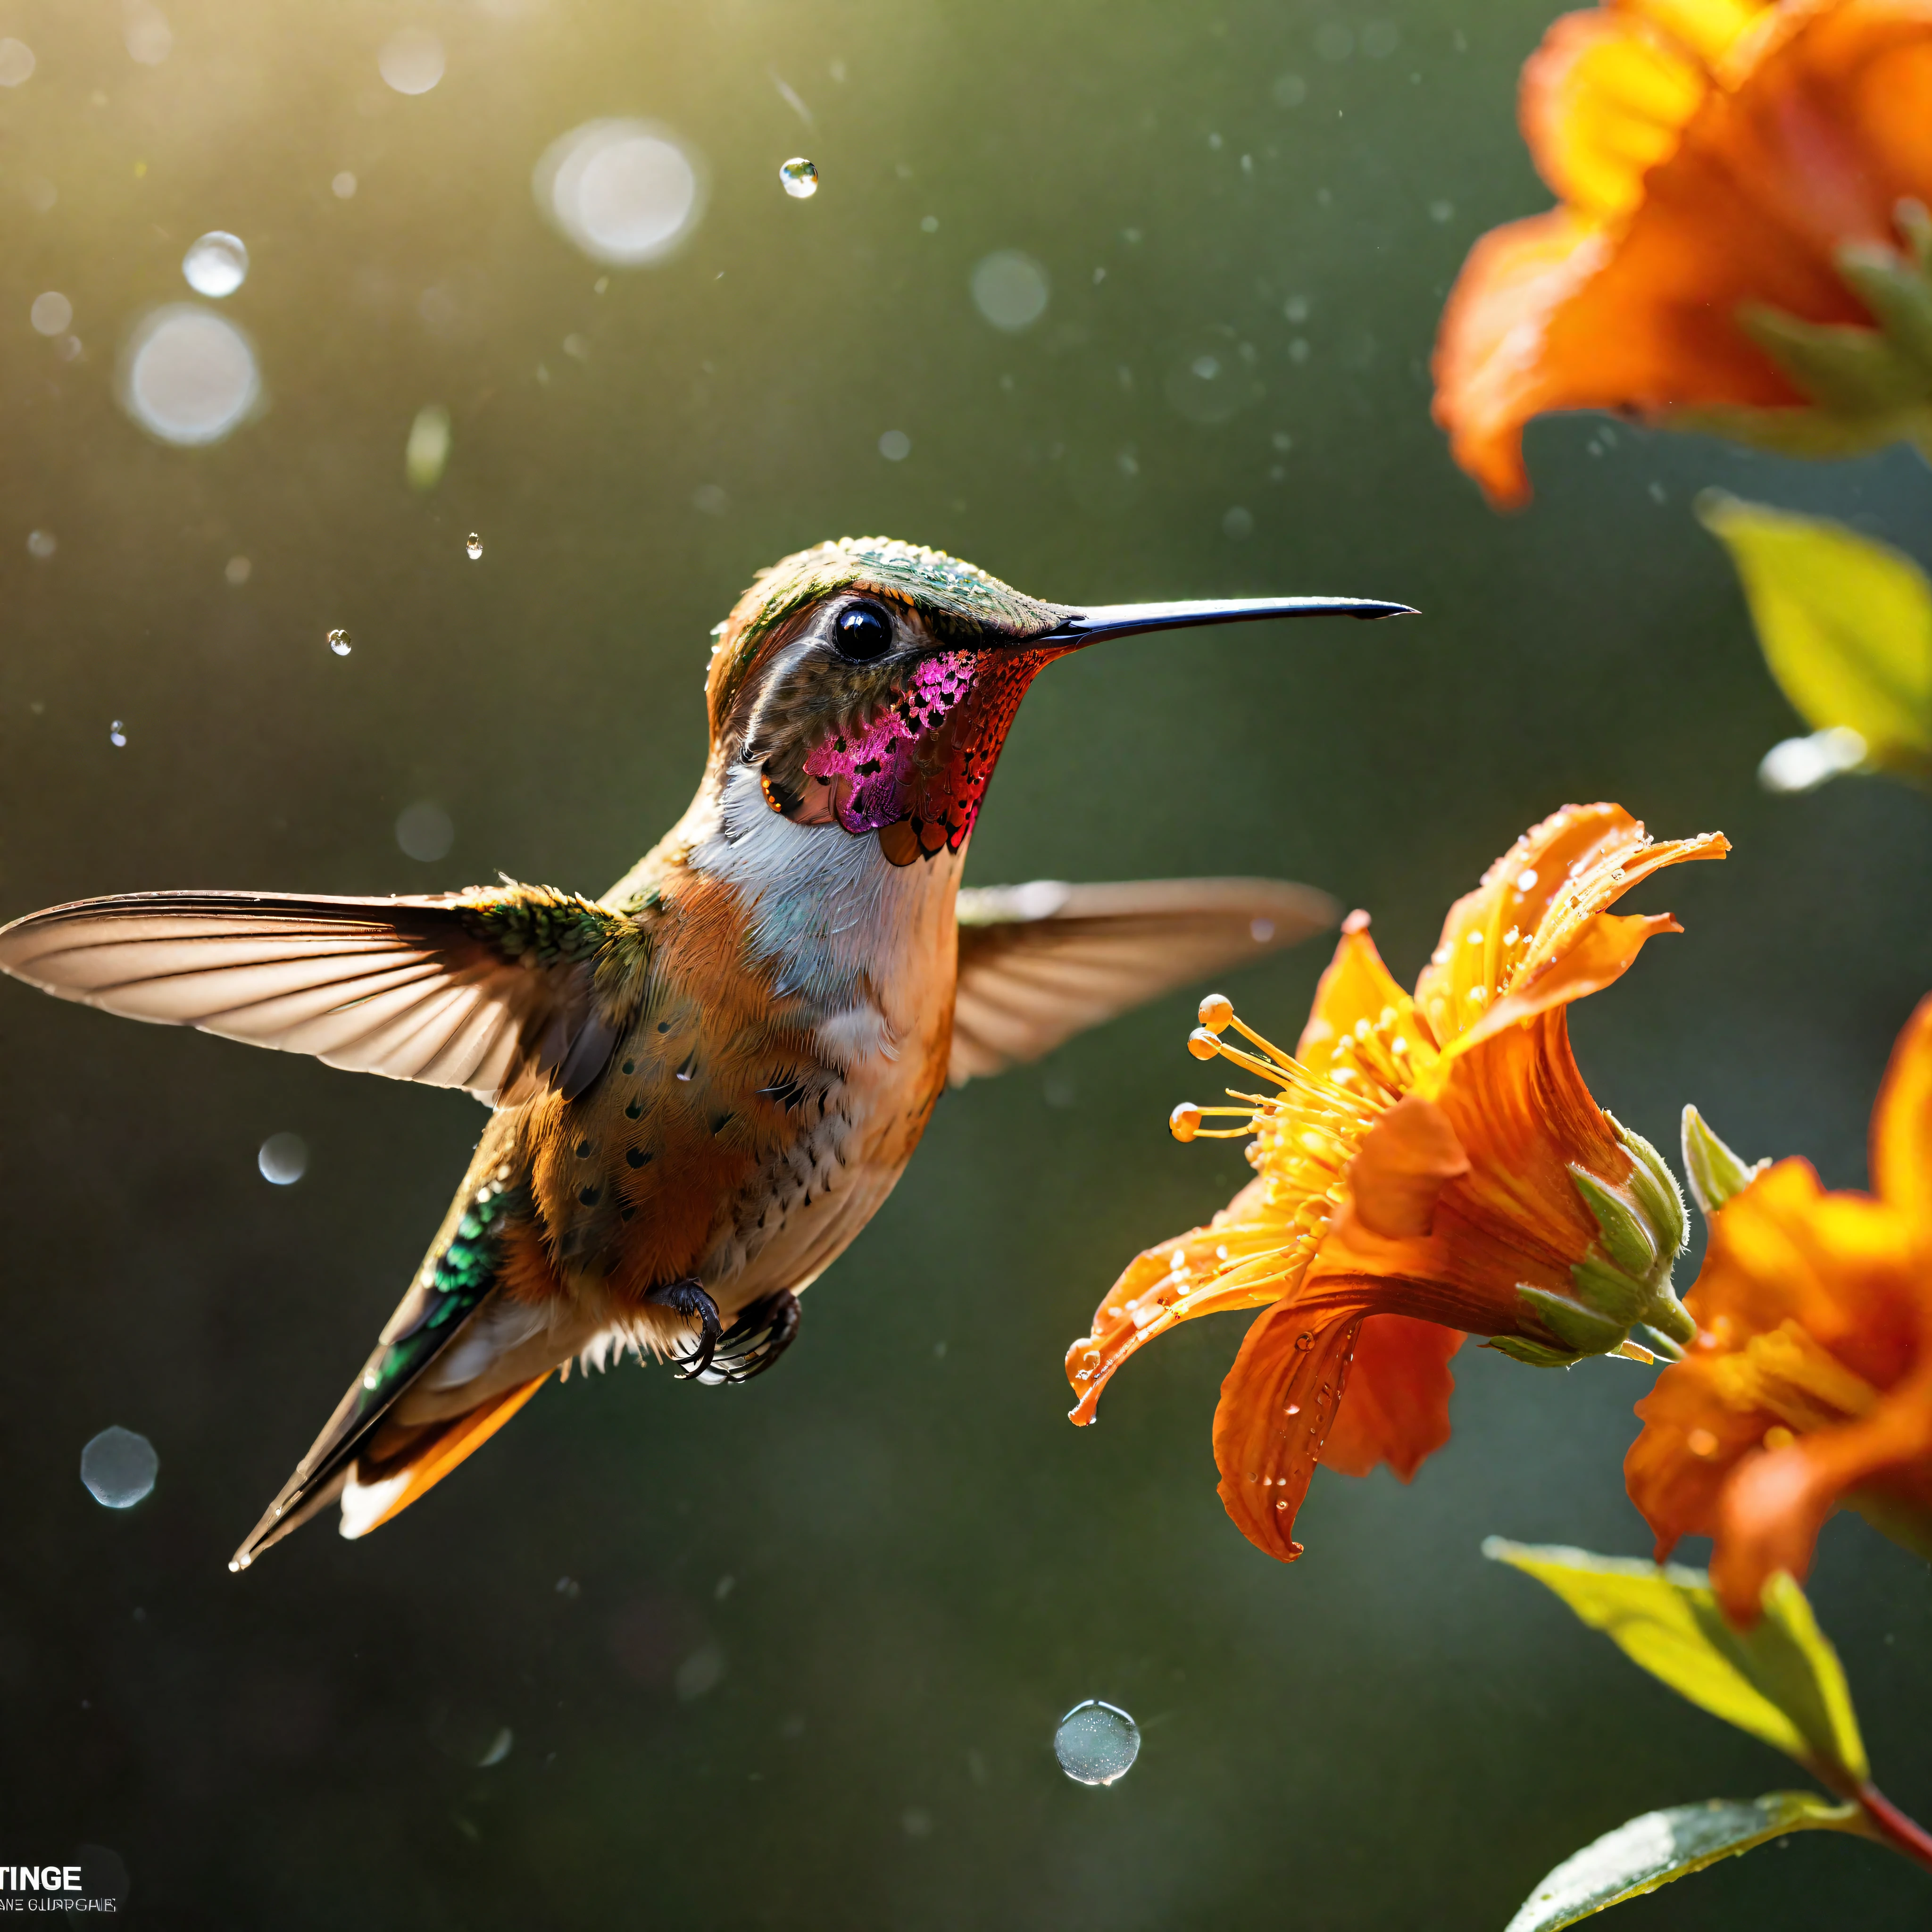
(1716, 1173)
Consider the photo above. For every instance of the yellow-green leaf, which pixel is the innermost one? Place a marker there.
(1780, 1680)
(1845, 624)
(1660, 1846)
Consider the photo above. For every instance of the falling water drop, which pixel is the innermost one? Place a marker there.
(119, 1468)
(217, 265)
(282, 1160)
(117, 733)
(474, 546)
(338, 642)
(800, 177)
(1097, 1743)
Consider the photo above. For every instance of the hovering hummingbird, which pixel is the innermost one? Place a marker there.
(705, 1082)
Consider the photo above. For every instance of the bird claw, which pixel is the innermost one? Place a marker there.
(688, 1299)
(760, 1335)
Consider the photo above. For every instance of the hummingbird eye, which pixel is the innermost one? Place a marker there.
(863, 632)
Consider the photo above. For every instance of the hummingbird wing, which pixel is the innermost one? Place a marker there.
(1039, 963)
(501, 990)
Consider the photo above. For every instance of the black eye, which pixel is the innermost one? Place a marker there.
(863, 632)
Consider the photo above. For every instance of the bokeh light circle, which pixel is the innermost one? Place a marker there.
(1010, 289)
(188, 376)
(412, 62)
(625, 192)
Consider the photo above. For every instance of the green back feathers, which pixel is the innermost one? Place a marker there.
(958, 601)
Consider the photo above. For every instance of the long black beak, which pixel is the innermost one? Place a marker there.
(1123, 620)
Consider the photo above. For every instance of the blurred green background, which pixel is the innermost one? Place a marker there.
(792, 1655)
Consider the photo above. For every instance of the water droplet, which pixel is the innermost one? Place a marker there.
(119, 1468)
(342, 186)
(41, 544)
(1184, 1123)
(474, 546)
(1216, 1010)
(1303, 1342)
(1202, 1044)
(1238, 522)
(117, 733)
(1097, 1743)
(800, 177)
(282, 1159)
(895, 445)
(339, 642)
(217, 265)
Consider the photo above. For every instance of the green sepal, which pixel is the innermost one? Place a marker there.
(1846, 370)
(1651, 1851)
(1780, 1680)
(1656, 1189)
(1585, 1331)
(1716, 1174)
(1520, 1348)
(1606, 1289)
(1898, 292)
(1627, 1239)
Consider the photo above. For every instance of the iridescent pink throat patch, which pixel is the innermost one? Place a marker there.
(927, 757)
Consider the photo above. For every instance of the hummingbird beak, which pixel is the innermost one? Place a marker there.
(1124, 620)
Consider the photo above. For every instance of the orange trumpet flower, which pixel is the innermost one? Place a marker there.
(1427, 1168)
(1810, 1381)
(1743, 244)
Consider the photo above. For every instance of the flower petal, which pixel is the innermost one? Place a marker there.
(1606, 97)
(1535, 905)
(1901, 1127)
(1355, 985)
(1397, 1409)
(1277, 1406)
(1410, 1154)
(1773, 1508)
(1824, 126)
(1244, 1257)
(1492, 369)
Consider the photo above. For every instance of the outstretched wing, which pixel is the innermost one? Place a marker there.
(1041, 962)
(499, 990)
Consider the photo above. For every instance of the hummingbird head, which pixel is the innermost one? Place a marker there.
(871, 683)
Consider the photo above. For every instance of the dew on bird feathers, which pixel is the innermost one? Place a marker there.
(1097, 1743)
(799, 177)
(473, 546)
(339, 642)
(119, 1468)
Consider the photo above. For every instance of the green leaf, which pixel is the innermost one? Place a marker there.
(1780, 1680)
(1661, 1846)
(1845, 624)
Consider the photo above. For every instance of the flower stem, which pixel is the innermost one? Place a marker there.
(1901, 1833)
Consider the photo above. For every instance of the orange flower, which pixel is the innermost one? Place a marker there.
(1427, 1168)
(1810, 1383)
(1743, 243)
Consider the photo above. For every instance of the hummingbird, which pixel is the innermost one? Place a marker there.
(703, 1082)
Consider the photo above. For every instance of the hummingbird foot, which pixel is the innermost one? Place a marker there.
(688, 1299)
(753, 1342)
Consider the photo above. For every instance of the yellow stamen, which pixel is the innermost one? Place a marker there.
(1793, 1376)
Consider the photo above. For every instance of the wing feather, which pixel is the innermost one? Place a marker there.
(1041, 962)
(431, 988)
